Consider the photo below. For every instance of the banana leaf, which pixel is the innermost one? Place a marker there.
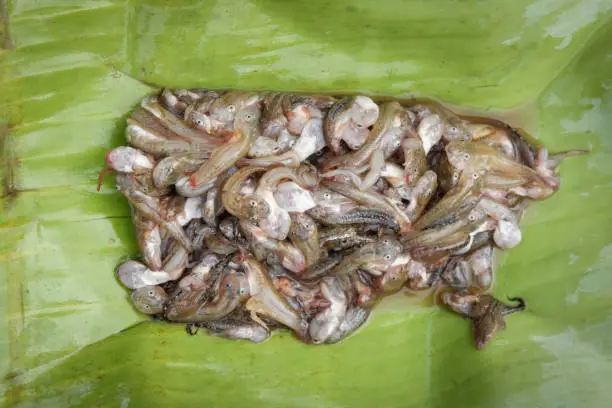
(72, 70)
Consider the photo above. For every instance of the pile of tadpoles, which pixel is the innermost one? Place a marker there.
(259, 210)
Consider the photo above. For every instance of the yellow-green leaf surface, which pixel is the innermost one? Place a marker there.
(68, 336)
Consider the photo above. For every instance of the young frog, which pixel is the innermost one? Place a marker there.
(392, 124)
(149, 134)
(151, 208)
(330, 203)
(149, 241)
(170, 169)
(175, 262)
(419, 276)
(299, 110)
(287, 112)
(394, 278)
(149, 300)
(212, 207)
(247, 207)
(234, 329)
(304, 234)
(505, 172)
(415, 160)
(200, 275)
(196, 114)
(353, 319)
(278, 222)
(372, 258)
(194, 306)
(486, 313)
(349, 118)
(135, 275)
(224, 157)
(309, 142)
(457, 242)
(475, 271)
(430, 130)
(421, 194)
(266, 300)
(468, 186)
(226, 109)
(455, 128)
(273, 119)
(264, 147)
(373, 200)
(179, 129)
(207, 237)
(302, 296)
(324, 324)
(125, 159)
(290, 257)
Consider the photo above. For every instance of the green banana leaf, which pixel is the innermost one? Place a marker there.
(71, 70)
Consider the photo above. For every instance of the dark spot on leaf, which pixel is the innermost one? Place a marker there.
(9, 163)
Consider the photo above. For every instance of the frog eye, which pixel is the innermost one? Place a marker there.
(252, 203)
(241, 291)
(228, 286)
(471, 217)
(151, 293)
(275, 149)
(455, 176)
(327, 196)
(146, 307)
(475, 176)
(316, 341)
(466, 156)
(387, 257)
(232, 108)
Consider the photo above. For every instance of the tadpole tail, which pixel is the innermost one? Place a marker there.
(556, 159)
(513, 309)
(101, 176)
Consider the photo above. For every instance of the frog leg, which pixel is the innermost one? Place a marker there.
(192, 329)
(252, 305)
(258, 320)
(513, 309)
(371, 270)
